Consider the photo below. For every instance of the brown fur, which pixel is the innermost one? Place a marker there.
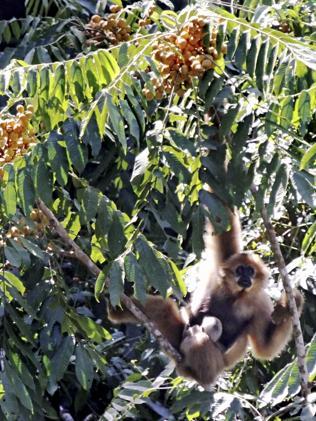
(243, 316)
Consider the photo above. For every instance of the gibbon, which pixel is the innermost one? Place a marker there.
(228, 311)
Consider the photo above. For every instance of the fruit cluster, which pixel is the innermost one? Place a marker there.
(23, 229)
(16, 135)
(181, 56)
(110, 30)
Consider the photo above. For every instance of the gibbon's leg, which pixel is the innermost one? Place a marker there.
(163, 312)
(236, 352)
(269, 333)
(202, 359)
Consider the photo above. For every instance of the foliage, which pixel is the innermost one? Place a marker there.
(124, 175)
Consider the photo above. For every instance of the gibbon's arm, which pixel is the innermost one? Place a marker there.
(236, 352)
(271, 330)
(218, 248)
(221, 246)
(229, 242)
(163, 312)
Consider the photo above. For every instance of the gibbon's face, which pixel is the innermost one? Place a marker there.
(245, 272)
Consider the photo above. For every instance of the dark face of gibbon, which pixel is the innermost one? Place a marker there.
(244, 275)
(245, 272)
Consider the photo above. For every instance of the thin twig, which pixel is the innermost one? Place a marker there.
(93, 268)
(297, 330)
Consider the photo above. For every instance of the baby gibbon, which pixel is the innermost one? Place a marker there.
(228, 311)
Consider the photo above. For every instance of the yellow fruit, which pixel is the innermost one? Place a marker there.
(184, 70)
(224, 49)
(181, 43)
(20, 108)
(185, 35)
(115, 8)
(142, 22)
(14, 231)
(28, 114)
(96, 19)
(207, 64)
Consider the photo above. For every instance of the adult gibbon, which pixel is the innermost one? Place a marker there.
(228, 311)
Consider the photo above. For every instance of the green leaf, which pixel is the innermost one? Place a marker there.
(77, 87)
(134, 101)
(33, 248)
(302, 113)
(100, 282)
(228, 120)
(122, 56)
(215, 210)
(131, 120)
(241, 135)
(205, 83)
(89, 328)
(90, 202)
(252, 55)
(117, 121)
(273, 56)
(276, 387)
(43, 182)
(232, 44)
(136, 276)
(57, 158)
(278, 190)
(305, 187)
(25, 191)
(18, 387)
(109, 65)
(169, 19)
(286, 112)
(116, 236)
(116, 285)
(261, 65)
(309, 238)
(9, 192)
(197, 231)
(60, 361)
(212, 91)
(176, 274)
(140, 165)
(155, 271)
(91, 135)
(23, 372)
(308, 156)
(84, 368)
(12, 256)
(13, 280)
(241, 51)
(104, 218)
(59, 85)
(311, 358)
(74, 148)
(24, 256)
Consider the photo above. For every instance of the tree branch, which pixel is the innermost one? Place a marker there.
(93, 268)
(297, 330)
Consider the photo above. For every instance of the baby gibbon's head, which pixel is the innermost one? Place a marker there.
(245, 272)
